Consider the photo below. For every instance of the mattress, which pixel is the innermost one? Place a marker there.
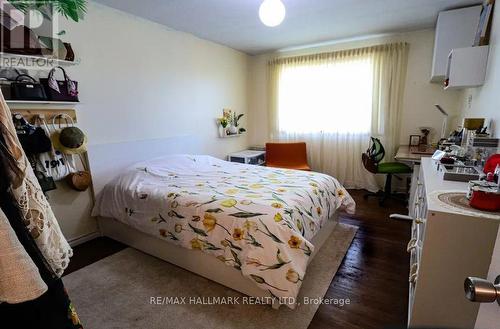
(256, 219)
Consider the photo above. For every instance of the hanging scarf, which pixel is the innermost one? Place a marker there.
(32, 203)
(70, 84)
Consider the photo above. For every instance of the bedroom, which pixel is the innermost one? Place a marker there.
(160, 240)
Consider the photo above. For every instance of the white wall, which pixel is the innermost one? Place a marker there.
(483, 101)
(419, 99)
(139, 80)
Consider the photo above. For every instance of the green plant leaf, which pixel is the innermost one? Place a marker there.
(235, 256)
(278, 257)
(258, 279)
(232, 245)
(244, 214)
(197, 230)
(215, 210)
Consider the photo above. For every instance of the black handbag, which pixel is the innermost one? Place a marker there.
(7, 75)
(26, 88)
(5, 86)
(68, 89)
(33, 139)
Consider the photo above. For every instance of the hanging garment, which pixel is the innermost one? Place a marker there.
(36, 212)
(53, 309)
(20, 280)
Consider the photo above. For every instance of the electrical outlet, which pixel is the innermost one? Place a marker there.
(469, 101)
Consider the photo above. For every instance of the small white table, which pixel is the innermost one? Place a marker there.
(252, 157)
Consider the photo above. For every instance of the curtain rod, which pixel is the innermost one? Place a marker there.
(337, 53)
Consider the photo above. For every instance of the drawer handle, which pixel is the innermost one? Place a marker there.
(419, 221)
(413, 273)
(411, 245)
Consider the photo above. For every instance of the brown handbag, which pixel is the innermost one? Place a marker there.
(70, 54)
(80, 180)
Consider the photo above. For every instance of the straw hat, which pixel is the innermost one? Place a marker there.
(69, 140)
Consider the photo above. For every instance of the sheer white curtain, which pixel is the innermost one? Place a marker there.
(335, 102)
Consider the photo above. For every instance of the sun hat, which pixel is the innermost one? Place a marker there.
(69, 140)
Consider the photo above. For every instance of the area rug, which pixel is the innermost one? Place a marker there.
(116, 292)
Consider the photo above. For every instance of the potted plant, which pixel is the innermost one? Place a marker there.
(235, 122)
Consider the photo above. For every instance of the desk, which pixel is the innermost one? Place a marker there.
(404, 154)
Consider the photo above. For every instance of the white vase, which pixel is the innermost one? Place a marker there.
(233, 130)
(222, 131)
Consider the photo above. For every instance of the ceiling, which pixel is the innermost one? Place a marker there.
(235, 23)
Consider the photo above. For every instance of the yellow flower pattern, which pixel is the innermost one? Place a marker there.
(258, 220)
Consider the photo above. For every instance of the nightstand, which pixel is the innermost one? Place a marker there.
(248, 157)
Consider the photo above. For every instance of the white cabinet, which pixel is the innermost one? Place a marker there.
(466, 67)
(455, 29)
(445, 247)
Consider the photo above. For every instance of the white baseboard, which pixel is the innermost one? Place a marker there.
(84, 238)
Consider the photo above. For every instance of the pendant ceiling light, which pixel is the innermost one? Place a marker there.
(272, 12)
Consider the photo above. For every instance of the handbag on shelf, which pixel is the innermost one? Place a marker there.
(26, 88)
(70, 54)
(60, 90)
(53, 47)
(7, 75)
(6, 88)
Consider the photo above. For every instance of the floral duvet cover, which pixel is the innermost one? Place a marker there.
(258, 220)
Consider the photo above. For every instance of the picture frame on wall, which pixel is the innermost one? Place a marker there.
(414, 140)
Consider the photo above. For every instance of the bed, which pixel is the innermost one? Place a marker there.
(251, 228)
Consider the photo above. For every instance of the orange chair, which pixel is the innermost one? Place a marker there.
(287, 155)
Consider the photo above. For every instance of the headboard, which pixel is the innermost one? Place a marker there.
(108, 160)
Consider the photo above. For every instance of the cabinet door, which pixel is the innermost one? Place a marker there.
(454, 29)
(489, 314)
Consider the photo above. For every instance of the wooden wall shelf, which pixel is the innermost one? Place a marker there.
(40, 102)
(29, 114)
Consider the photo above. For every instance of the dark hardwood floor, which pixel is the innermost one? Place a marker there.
(373, 275)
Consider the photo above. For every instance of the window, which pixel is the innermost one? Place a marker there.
(326, 97)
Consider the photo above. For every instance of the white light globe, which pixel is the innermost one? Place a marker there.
(272, 12)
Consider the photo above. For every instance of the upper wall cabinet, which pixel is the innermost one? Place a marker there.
(455, 29)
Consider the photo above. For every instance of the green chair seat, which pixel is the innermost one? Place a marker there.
(393, 168)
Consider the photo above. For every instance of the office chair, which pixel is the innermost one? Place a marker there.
(371, 161)
(287, 155)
